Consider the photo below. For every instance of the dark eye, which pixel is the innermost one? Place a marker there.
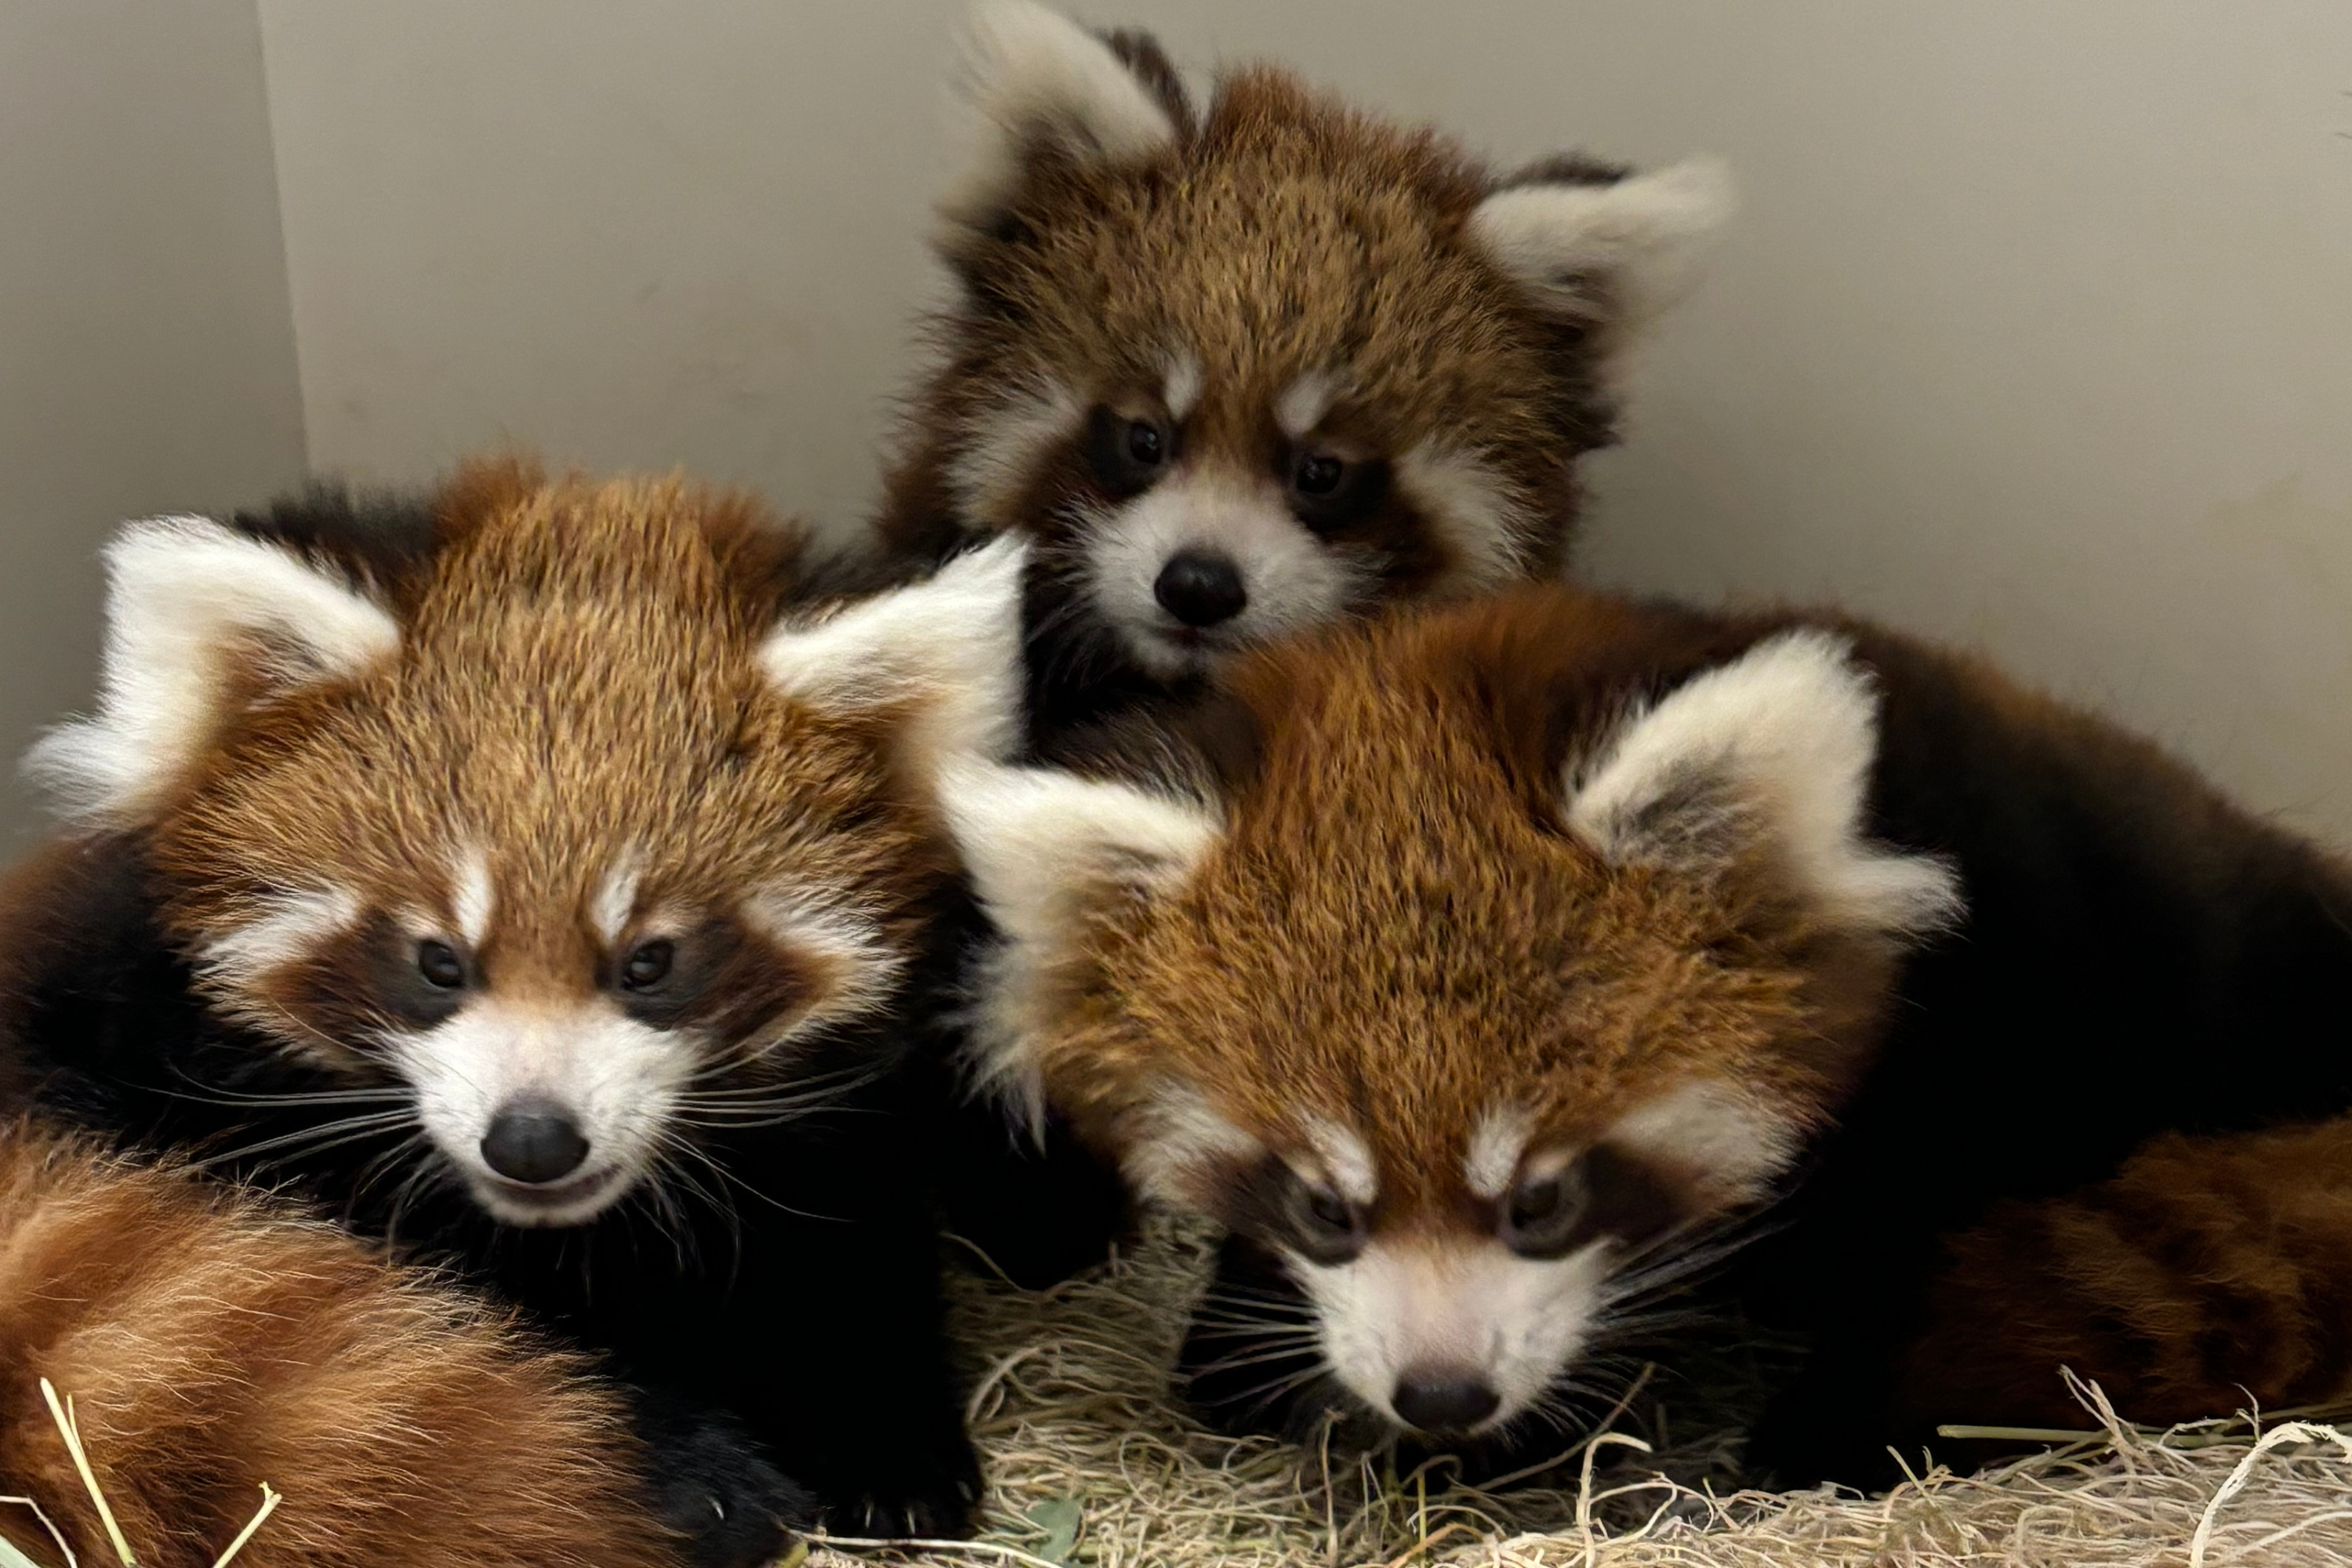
(440, 965)
(1319, 474)
(1542, 1215)
(648, 966)
(1144, 443)
(1329, 1210)
(1328, 491)
(1127, 452)
(1328, 1227)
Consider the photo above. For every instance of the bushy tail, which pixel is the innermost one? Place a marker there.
(2207, 1271)
(211, 1342)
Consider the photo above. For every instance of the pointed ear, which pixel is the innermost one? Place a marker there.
(1770, 754)
(1045, 850)
(201, 621)
(1616, 253)
(1034, 80)
(947, 649)
(1040, 844)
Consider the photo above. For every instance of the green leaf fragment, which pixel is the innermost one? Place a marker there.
(1059, 1521)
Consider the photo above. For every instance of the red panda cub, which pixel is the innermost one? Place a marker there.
(211, 1342)
(1247, 368)
(539, 877)
(1487, 970)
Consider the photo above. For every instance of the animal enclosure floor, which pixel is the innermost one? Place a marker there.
(1091, 1464)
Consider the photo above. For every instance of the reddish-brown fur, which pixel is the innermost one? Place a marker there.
(1424, 756)
(212, 1340)
(1392, 929)
(2206, 1275)
(640, 606)
(1291, 234)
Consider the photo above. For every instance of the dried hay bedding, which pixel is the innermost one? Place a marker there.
(1092, 1463)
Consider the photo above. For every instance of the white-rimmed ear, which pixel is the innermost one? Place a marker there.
(1769, 754)
(946, 649)
(1033, 79)
(200, 620)
(1616, 254)
(1042, 849)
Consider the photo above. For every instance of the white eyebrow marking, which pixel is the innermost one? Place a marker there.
(1182, 390)
(1492, 1159)
(1304, 402)
(616, 898)
(473, 897)
(1345, 1159)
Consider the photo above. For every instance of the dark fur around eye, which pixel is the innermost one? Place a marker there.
(1266, 1201)
(1543, 1216)
(1127, 452)
(1326, 1227)
(717, 976)
(1605, 1194)
(356, 983)
(1328, 491)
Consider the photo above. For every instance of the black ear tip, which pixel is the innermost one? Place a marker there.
(1140, 53)
(1568, 169)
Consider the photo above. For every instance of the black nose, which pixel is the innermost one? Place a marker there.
(1443, 1403)
(1199, 588)
(533, 1141)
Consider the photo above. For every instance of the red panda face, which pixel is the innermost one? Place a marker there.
(1493, 982)
(572, 831)
(1252, 374)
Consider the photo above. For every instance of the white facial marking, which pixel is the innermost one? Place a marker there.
(1178, 1135)
(1037, 843)
(472, 899)
(617, 1079)
(1787, 732)
(287, 927)
(1031, 74)
(1469, 1307)
(181, 592)
(1347, 1161)
(1183, 387)
(616, 895)
(862, 969)
(1292, 578)
(1712, 1128)
(1492, 1161)
(949, 649)
(1476, 509)
(1305, 402)
(1002, 445)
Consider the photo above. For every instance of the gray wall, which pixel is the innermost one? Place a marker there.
(146, 353)
(2036, 331)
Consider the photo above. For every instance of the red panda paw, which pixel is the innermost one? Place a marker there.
(923, 1493)
(730, 1507)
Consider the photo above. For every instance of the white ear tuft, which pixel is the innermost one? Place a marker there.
(1032, 76)
(948, 648)
(1621, 253)
(1777, 746)
(1039, 846)
(1035, 838)
(185, 596)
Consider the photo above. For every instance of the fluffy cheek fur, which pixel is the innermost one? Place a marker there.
(1453, 1307)
(1292, 578)
(617, 1078)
